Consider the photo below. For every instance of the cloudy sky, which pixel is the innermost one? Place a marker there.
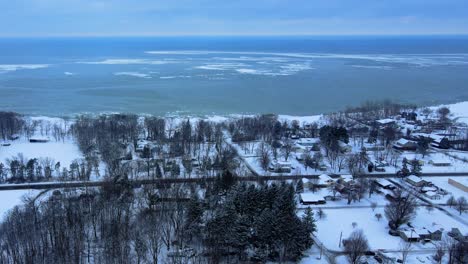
(231, 17)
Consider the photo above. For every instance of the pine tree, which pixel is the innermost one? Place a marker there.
(404, 170)
(299, 187)
(415, 167)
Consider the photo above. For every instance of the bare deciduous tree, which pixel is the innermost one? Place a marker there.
(356, 246)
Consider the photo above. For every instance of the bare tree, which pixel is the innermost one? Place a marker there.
(263, 154)
(356, 246)
(401, 209)
(451, 201)
(287, 148)
(405, 248)
(440, 252)
(461, 205)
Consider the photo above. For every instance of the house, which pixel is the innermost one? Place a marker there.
(385, 122)
(14, 137)
(280, 166)
(344, 147)
(457, 235)
(311, 198)
(294, 136)
(308, 143)
(39, 140)
(460, 184)
(141, 144)
(347, 179)
(324, 179)
(415, 181)
(440, 163)
(384, 183)
(404, 144)
(409, 235)
(441, 142)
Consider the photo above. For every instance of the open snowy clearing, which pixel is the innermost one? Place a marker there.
(9, 199)
(63, 152)
(341, 220)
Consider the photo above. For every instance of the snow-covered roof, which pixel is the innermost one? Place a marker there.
(441, 161)
(384, 182)
(39, 138)
(415, 178)
(311, 197)
(308, 141)
(410, 234)
(403, 141)
(385, 121)
(325, 177)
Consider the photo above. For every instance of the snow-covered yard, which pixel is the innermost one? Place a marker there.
(442, 182)
(339, 221)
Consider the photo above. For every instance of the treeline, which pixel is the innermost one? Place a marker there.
(371, 110)
(10, 124)
(119, 224)
(19, 169)
(267, 128)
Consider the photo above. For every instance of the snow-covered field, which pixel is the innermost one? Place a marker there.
(63, 152)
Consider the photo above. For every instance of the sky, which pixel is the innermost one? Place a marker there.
(31, 18)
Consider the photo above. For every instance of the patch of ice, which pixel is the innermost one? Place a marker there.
(127, 62)
(133, 74)
(15, 67)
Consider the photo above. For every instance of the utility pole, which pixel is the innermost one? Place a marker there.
(341, 235)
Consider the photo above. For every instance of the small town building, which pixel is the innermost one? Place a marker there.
(404, 144)
(385, 122)
(311, 198)
(280, 166)
(440, 163)
(416, 181)
(385, 184)
(39, 140)
(409, 235)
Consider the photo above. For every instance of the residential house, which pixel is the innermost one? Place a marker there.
(311, 198)
(39, 140)
(440, 163)
(404, 144)
(416, 181)
(280, 166)
(409, 235)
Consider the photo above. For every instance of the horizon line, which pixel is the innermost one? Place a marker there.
(232, 35)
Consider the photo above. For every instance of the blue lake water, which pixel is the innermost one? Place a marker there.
(226, 75)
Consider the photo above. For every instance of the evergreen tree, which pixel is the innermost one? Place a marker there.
(404, 170)
(299, 186)
(416, 167)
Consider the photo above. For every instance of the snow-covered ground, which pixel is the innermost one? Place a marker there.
(442, 182)
(457, 110)
(340, 221)
(63, 152)
(9, 199)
